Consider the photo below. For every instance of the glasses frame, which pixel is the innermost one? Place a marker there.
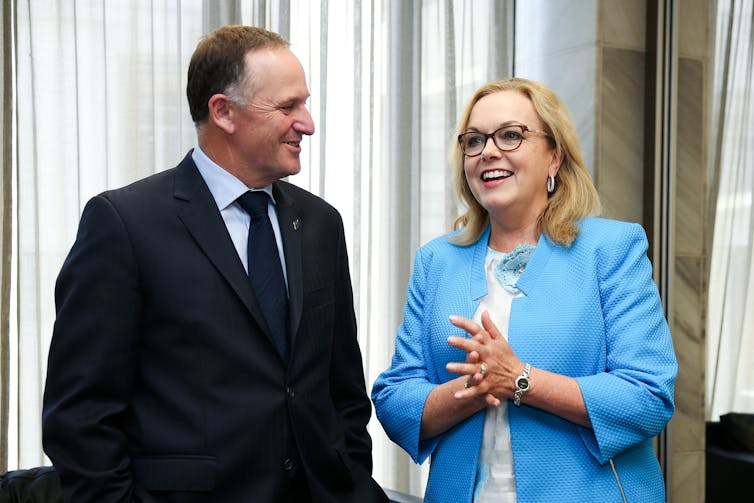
(487, 136)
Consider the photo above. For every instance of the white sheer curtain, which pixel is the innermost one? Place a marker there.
(100, 102)
(730, 328)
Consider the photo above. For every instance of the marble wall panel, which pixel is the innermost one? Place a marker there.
(623, 24)
(690, 173)
(687, 478)
(694, 28)
(688, 302)
(620, 152)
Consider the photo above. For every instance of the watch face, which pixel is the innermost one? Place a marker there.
(522, 383)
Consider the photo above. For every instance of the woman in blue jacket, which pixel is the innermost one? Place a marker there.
(534, 362)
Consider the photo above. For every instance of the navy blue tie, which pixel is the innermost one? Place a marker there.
(265, 271)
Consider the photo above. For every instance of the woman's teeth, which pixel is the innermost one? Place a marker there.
(495, 174)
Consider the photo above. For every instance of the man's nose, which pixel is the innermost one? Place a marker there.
(304, 123)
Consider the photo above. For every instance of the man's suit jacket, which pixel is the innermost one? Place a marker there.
(163, 384)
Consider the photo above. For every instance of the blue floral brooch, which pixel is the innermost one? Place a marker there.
(512, 265)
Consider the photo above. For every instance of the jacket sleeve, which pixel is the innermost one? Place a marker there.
(632, 400)
(400, 392)
(91, 360)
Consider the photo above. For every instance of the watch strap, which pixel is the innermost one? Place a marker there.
(522, 385)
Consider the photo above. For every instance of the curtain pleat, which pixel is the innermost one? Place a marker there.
(6, 132)
(451, 108)
(357, 149)
(324, 45)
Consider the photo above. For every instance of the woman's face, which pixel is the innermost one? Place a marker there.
(512, 185)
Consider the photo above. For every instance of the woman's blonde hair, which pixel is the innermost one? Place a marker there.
(575, 196)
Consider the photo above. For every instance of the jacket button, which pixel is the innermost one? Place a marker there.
(288, 464)
(290, 392)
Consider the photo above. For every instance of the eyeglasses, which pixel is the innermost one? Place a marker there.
(506, 138)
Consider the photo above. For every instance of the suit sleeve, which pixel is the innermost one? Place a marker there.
(91, 362)
(347, 384)
(633, 399)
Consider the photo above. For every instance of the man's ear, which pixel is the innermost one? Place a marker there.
(221, 113)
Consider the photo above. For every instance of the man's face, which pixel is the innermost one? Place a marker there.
(271, 125)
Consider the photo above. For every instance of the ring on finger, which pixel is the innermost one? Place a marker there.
(483, 369)
(467, 385)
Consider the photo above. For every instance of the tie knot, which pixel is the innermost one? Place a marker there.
(255, 203)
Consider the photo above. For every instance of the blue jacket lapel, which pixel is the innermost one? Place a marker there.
(536, 265)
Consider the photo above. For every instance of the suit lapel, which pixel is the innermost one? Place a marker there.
(201, 217)
(291, 223)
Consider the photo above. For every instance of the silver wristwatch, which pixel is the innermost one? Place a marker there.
(522, 385)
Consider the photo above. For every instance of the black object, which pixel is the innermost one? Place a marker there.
(729, 458)
(33, 485)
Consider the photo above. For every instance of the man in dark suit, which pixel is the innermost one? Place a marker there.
(167, 381)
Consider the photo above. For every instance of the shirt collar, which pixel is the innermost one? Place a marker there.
(225, 188)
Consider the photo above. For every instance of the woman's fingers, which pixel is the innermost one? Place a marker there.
(470, 369)
(482, 333)
(489, 326)
(492, 400)
(487, 352)
(464, 344)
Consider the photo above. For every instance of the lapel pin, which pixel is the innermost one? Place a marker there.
(296, 224)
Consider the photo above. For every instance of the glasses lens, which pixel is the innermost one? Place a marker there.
(472, 143)
(509, 137)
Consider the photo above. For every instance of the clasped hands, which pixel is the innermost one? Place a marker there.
(491, 364)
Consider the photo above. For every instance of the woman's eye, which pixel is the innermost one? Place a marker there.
(473, 141)
(510, 135)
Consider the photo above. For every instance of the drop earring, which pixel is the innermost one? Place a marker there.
(550, 184)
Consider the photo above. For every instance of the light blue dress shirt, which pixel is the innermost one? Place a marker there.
(226, 189)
